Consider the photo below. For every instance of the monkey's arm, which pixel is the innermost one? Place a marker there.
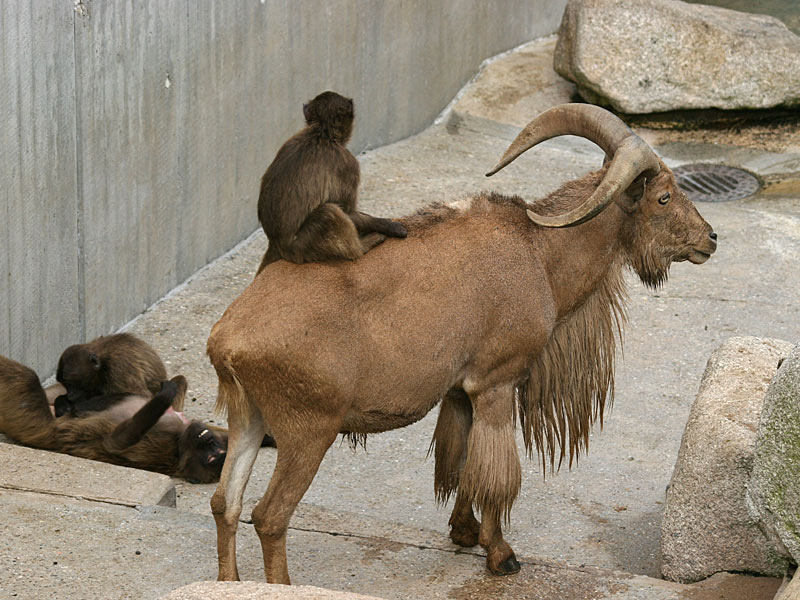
(130, 431)
(77, 403)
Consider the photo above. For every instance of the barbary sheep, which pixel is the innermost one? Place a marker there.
(494, 309)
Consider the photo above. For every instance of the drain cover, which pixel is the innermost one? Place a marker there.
(715, 183)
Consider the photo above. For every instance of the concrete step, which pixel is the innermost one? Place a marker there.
(51, 473)
(251, 590)
(57, 546)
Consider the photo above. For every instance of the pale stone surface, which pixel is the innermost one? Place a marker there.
(648, 56)
(774, 492)
(29, 469)
(706, 526)
(251, 590)
(516, 87)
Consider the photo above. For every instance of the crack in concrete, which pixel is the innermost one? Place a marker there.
(713, 299)
(384, 539)
(588, 569)
(99, 499)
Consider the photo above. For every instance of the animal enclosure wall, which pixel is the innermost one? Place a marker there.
(134, 133)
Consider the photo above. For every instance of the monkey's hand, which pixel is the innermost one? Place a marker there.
(62, 406)
(397, 230)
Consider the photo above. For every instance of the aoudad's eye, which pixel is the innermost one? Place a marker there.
(664, 199)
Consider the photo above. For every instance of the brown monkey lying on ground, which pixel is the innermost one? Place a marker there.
(133, 431)
(307, 204)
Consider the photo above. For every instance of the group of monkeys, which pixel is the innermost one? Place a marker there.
(113, 401)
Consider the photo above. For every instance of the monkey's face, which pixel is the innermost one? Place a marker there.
(80, 372)
(202, 453)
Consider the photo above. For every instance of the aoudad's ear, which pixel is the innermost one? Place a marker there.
(628, 199)
(636, 189)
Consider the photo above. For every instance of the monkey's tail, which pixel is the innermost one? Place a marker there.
(231, 397)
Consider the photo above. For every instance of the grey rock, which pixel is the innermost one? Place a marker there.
(660, 55)
(774, 492)
(706, 526)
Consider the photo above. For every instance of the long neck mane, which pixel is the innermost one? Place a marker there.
(572, 378)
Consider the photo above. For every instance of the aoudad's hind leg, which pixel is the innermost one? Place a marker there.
(226, 503)
(492, 474)
(450, 449)
(300, 452)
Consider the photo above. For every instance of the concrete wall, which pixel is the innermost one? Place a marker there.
(134, 134)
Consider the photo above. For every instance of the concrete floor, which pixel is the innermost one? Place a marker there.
(369, 522)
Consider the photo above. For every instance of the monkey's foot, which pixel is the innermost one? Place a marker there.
(169, 389)
(369, 241)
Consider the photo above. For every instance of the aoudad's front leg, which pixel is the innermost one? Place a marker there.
(492, 474)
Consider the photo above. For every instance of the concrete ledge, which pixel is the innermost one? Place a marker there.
(44, 472)
(251, 590)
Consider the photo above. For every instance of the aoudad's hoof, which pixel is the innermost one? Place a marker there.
(508, 567)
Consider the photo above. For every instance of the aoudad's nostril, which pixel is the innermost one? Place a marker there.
(713, 235)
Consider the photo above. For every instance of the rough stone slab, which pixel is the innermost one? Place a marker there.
(774, 492)
(706, 526)
(28, 469)
(516, 87)
(790, 590)
(251, 590)
(661, 55)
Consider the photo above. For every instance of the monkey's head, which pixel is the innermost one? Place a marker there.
(201, 453)
(332, 115)
(80, 371)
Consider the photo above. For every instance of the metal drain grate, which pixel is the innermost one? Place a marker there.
(715, 183)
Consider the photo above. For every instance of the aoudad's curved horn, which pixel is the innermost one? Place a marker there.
(631, 156)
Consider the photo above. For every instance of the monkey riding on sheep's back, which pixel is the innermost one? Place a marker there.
(307, 204)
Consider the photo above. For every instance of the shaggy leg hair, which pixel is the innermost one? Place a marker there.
(492, 474)
(449, 443)
(450, 450)
(572, 379)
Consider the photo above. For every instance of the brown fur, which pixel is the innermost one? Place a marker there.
(557, 411)
(479, 306)
(450, 443)
(307, 204)
(111, 364)
(122, 434)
